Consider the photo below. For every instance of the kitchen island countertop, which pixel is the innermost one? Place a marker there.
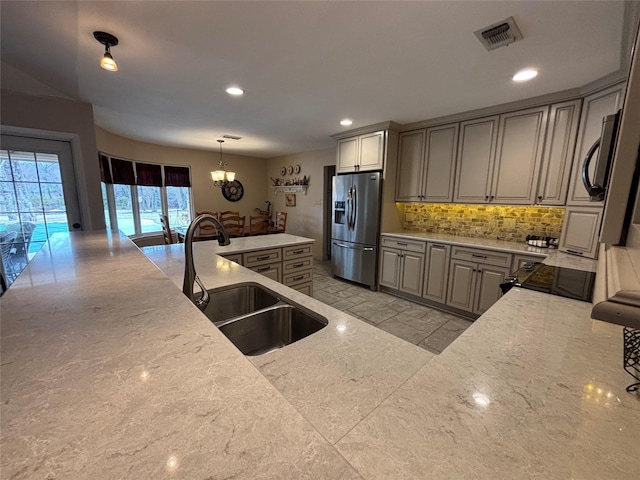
(108, 371)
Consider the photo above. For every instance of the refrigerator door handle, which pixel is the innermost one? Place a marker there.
(354, 209)
(348, 207)
(353, 247)
(594, 191)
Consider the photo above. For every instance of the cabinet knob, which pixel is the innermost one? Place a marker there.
(492, 197)
(486, 197)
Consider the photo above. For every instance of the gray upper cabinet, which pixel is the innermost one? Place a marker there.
(410, 166)
(594, 108)
(440, 163)
(361, 153)
(476, 154)
(427, 164)
(580, 230)
(558, 153)
(518, 156)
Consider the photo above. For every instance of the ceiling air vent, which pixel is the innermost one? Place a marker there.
(231, 137)
(499, 34)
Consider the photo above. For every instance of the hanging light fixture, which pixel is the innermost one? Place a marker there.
(108, 40)
(221, 177)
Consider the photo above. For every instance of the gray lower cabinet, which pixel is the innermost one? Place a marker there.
(436, 273)
(475, 276)
(402, 270)
(402, 264)
(580, 231)
(474, 287)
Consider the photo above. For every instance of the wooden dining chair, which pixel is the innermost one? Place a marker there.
(167, 235)
(206, 230)
(280, 223)
(259, 225)
(233, 225)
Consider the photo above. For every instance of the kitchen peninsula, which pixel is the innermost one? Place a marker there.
(108, 371)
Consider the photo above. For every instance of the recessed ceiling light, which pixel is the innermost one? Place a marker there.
(524, 75)
(235, 91)
(346, 122)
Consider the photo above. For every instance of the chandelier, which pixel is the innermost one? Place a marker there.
(221, 177)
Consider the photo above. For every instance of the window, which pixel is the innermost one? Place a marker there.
(135, 194)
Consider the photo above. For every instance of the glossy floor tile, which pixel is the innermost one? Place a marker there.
(425, 327)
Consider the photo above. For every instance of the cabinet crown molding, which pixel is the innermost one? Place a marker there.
(388, 125)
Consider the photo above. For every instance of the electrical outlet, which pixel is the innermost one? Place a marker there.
(509, 223)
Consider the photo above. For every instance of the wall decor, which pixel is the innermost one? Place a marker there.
(283, 171)
(297, 169)
(290, 170)
(290, 199)
(233, 191)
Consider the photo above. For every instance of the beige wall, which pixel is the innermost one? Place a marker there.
(61, 119)
(306, 217)
(250, 171)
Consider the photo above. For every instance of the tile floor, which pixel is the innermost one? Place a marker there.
(426, 327)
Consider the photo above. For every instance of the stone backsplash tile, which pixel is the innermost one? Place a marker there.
(508, 223)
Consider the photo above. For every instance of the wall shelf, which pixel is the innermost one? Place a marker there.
(290, 188)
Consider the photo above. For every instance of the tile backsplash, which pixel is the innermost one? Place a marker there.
(508, 223)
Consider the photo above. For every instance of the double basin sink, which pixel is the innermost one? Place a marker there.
(257, 320)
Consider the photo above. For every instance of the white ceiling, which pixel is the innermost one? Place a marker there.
(304, 65)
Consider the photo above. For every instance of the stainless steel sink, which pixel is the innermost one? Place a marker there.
(272, 328)
(237, 300)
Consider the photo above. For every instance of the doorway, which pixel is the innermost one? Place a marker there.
(38, 197)
(329, 173)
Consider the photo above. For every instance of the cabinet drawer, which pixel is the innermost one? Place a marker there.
(234, 257)
(272, 270)
(489, 257)
(306, 288)
(262, 257)
(297, 264)
(403, 244)
(297, 277)
(297, 251)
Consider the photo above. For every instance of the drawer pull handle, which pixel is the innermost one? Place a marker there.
(575, 252)
(299, 277)
(438, 246)
(403, 244)
(266, 257)
(263, 269)
(297, 252)
(478, 256)
(298, 265)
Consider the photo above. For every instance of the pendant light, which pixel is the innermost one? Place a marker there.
(108, 40)
(221, 177)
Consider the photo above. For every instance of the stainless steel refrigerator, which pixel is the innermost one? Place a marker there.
(356, 227)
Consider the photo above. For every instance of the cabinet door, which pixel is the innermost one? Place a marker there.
(474, 164)
(462, 282)
(410, 165)
(488, 290)
(412, 271)
(437, 272)
(580, 231)
(389, 267)
(440, 163)
(347, 155)
(594, 108)
(518, 156)
(371, 155)
(562, 129)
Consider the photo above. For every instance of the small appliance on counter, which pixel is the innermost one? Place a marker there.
(542, 242)
(561, 281)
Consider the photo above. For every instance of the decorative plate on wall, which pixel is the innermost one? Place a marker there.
(233, 191)
(283, 171)
(296, 169)
(290, 170)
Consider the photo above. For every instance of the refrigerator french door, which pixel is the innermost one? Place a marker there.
(356, 227)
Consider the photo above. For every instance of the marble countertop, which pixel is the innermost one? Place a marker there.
(108, 371)
(551, 255)
(251, 243)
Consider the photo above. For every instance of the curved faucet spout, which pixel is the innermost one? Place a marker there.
(190, 275)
